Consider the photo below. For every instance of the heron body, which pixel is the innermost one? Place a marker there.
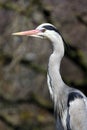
(70, 104)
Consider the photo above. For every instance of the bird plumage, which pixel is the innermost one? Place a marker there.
(70, 104)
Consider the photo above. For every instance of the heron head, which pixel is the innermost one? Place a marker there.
(43, 30)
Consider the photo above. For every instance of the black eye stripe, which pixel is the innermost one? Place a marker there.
(48, 27)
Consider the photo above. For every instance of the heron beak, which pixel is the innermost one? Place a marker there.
(28, 33)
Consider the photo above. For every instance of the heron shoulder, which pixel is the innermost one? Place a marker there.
(72, 96)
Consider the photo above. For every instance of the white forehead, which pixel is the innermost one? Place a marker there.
(44, 24)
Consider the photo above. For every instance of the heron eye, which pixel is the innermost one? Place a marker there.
(43, 30)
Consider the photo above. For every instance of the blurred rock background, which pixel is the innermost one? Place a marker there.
(25, 102)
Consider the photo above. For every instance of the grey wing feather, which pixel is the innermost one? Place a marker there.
(78, 113)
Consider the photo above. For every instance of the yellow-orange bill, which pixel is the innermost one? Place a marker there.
(27, 33)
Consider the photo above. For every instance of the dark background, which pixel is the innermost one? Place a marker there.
(25, 102)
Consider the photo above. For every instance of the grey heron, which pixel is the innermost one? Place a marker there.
(70, 104)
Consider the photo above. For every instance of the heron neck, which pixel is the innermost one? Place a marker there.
(54, 65)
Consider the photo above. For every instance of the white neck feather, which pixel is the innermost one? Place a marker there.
(54, 66)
